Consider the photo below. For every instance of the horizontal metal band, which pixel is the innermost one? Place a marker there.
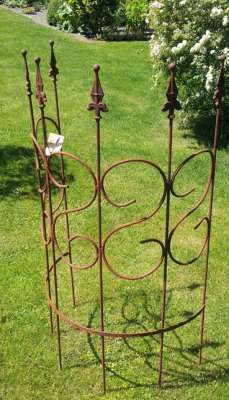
(119, 335)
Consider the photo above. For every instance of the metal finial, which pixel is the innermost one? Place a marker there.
(219, 87)
(53, 72)
(97, 94)
(172, 92)
(40, 94)
(27, 77)
(172, 66)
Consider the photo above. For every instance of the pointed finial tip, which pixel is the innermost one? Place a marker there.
(24, 52)
(96, 67)
(51, 42)
(222, 58)
(172, 66)
(37, 60)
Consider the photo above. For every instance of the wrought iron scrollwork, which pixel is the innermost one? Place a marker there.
(51, 214)
(193, 209)
(135, 222)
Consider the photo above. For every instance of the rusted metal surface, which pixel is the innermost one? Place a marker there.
(51, 215)
(217, 99)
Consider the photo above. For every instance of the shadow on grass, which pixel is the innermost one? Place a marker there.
(202, 131)
(17, 173)
(184, 372)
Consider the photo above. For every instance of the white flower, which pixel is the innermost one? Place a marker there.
(156, 4)
(226, 53)
(212, 52)
(195, 48)
(183, 2)
(66, 8)
(179, 47)
(155, 49)
(209, 79)
(206, 36)
(225, 20)
(215, 12)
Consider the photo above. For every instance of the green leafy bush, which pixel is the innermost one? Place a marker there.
(68, 19)
(95, 16)
(98, 16)
(37, 6)
(26, 4)
(136, 12)
(192, 33)
(53, 7)
(16, 3)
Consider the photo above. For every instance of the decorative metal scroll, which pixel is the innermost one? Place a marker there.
(50, 214)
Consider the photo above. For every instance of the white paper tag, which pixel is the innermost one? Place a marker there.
(55, 143)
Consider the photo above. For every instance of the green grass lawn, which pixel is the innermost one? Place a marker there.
(134, 127)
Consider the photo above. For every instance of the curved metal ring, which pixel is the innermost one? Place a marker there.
(48, 240)
(194, 208)
(127, 161)
(77, 159)
(87, 238)
(39, 154)
(47, 119)
(184, 162)
(121, 335)
(135, 222)
(137, 277)
(37, 146)
(76, 237)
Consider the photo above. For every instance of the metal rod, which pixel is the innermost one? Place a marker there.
(53, 252)
(68, 233)
(167, 218)
(170, 106)
(97, 105)
(100, 252)
(38, 176)
(53, 72)
(41, 96)
(217, 102)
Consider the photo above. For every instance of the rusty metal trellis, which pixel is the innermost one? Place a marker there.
(50, 214)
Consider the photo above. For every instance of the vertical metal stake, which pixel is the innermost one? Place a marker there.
(171, 104)
(217, 102)
(37, 167)
(97, 105)
(41, 96)
(53, 72)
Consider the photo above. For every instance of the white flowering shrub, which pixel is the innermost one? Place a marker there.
(192, 33)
